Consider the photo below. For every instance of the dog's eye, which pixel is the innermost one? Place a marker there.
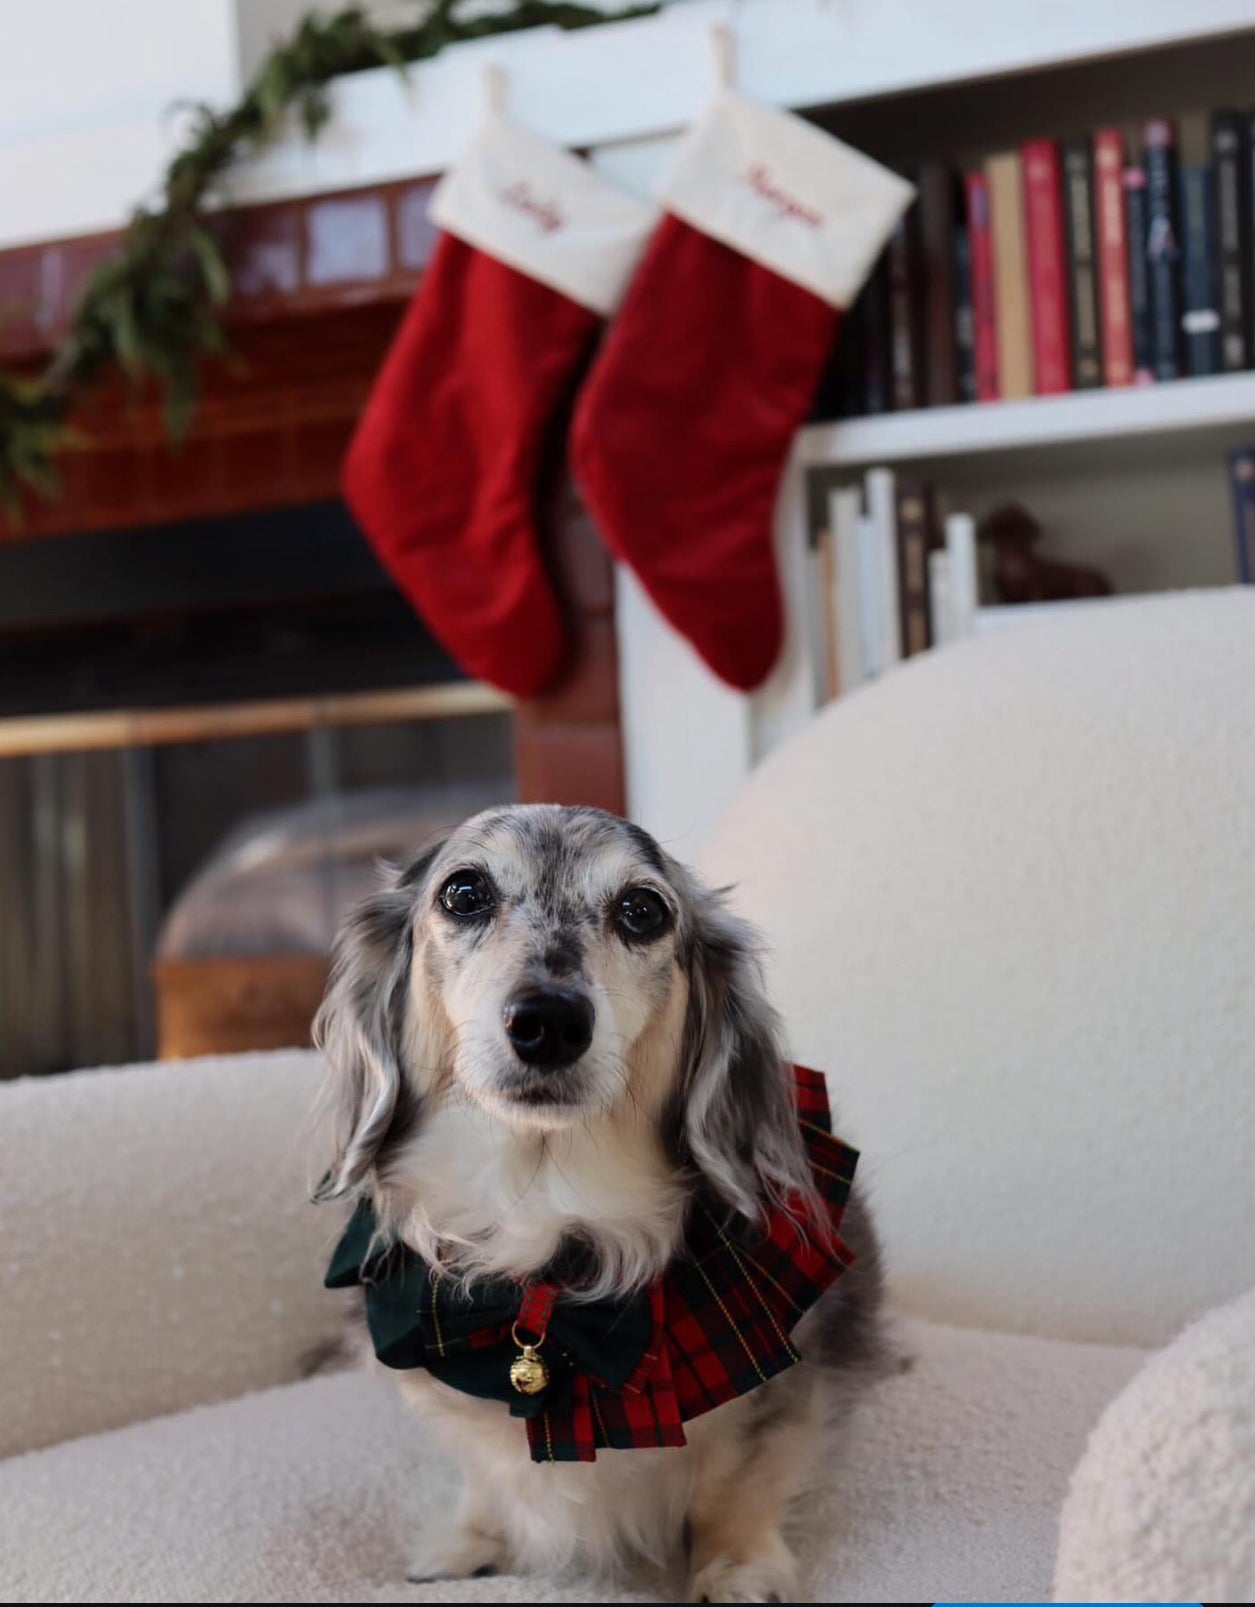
(641, 913)
(467, 893)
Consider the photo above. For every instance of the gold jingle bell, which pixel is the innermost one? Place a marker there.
(528, 1373)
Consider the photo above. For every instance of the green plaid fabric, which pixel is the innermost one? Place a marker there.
(627, 1372)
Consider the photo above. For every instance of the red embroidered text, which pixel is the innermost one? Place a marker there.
(762, 183)
(546, 213)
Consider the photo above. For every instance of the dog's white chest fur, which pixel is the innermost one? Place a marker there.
(504, 1207)
(625, 1503)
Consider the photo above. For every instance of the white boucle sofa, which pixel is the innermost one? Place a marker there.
(1010, 899)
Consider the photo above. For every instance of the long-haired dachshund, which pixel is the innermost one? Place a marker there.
(589, 1208)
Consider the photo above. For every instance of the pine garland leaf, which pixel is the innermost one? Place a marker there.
(213, 265)
(153, 307)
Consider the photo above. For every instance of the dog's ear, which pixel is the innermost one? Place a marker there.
(360, 1026)
(735, 1119)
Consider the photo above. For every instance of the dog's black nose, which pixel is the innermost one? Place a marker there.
(550, 1027)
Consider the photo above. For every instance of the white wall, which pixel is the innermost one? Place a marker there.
(69, 65)
(108, 72)
(75, 64)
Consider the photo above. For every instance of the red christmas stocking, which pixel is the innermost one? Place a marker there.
(681, 433)
(441, 473)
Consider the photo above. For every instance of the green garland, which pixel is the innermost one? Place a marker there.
(155, 307)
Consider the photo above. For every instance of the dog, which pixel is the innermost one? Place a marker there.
(547, 1041)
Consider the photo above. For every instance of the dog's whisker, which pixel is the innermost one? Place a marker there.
(540, 1161)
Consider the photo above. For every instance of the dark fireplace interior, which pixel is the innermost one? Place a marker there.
(276, 603)
(134, 871)
(216, 712)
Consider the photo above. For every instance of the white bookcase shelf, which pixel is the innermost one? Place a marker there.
(1219, 406)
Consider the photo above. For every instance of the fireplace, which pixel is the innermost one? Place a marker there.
(212, 699)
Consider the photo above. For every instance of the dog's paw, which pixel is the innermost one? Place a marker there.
(465, 1554)
(767, 1578)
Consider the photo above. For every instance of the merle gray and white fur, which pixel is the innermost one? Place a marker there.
(543, 1037)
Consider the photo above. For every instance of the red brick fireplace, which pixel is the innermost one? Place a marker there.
(319, 287)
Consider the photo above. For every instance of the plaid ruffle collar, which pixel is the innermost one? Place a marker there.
(626, 1372)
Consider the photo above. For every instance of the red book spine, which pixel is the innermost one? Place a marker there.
(1047, 266)
(984, 329)
(1113, 257)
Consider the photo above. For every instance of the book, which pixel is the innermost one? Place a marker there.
(1200, 296)
(881, 499)
(1110, 224)
(906, 342)
(1078, 211)
(819, 636)
(913, 514)
(871, 624)
(1012, 318)
(1140, 319)
(845, 512)
(1200, 314)
(964, 317)
(938, 226)
(981, 258)
(964, 575)
(941, 597)
(848, 398)
(1248, 211)
(876, 353)
(1242, 481)
(1163, 250)
(1047, 271)
(1231, 197)
(836, 395)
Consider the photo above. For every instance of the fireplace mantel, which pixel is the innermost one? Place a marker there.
(320, 283)
(637, 80)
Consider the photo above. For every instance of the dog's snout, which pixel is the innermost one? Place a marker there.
(549, 1027)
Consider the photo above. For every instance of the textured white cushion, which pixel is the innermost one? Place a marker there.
(157, 1247)
(947, 1485)
(1008, 894)
(1162, 1506)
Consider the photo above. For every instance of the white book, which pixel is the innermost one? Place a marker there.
(870, 632)
(883, 513)
(845, 510)
(941, 597)
(964, 585)
(818, 563)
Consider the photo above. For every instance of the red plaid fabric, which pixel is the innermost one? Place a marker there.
(630, 1371)
(722, 1314)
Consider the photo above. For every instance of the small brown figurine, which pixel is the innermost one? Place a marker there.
(1020, 575)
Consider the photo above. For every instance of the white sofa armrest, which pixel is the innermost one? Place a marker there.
(157, 1247)
(1162, 1504)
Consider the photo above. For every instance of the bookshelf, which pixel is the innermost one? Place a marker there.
(1199, 414)
(1133, 480)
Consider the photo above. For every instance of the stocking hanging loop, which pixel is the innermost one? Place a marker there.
(724, 48)
(495, 87)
